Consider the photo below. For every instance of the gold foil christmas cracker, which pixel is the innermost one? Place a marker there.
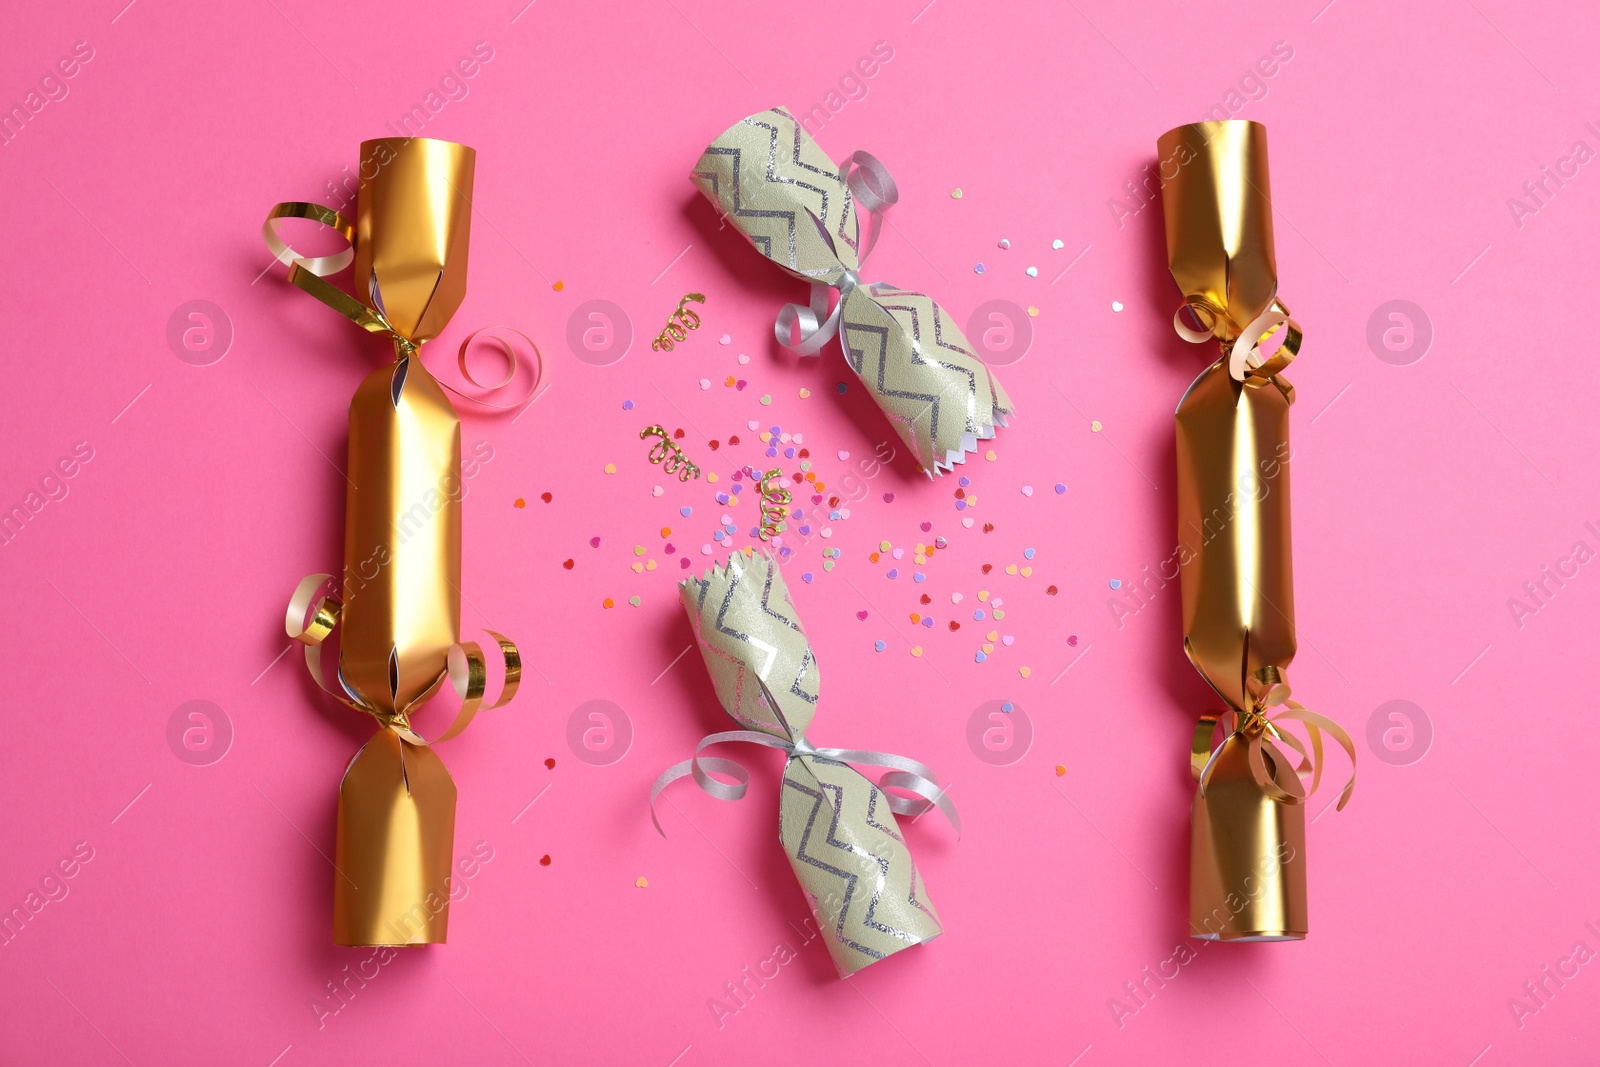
(804, 213)
(1247, 874)
(837, 826)
(398, 618)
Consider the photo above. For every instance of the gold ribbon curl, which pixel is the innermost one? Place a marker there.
(679, 324)
(307, 273)
(313, 615)
(1262, 734)
(669, 455)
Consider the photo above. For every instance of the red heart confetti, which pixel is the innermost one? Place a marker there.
(987, 567)
(550, 763)
(715, 445)
(988, 527)
(734, 439)
(544, 861)
(954, 626)
(1052, 591)
(926, 599)
(546, 497)
(569, 564)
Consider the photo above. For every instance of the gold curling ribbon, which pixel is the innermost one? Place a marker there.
(669, 454)
(308, 273)
(311, 618)
(1261, 732)
(679, 324)
(774, 499)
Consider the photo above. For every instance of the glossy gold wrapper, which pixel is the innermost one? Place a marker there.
(1247, 870)
(399, 618)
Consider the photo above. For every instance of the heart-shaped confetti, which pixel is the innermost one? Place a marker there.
(550, 763)
(641, 881)
(1027, 490)
(1007, 640)
(888, 498)
(611, 468)
(977, 268)
(1033, 272)
(862, 615)
(594, 542)
(1004, 243)
(804, 392)
(927, 526)
(967, 523)
(1116, 305)
(705, 383)
(1057, 244)
(956, 598)
(656, 490)
(569, 564)
(725, 339)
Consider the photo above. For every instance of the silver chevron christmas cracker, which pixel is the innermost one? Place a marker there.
(836, 825)
(768, 177)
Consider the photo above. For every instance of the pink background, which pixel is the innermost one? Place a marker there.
(1425, 496)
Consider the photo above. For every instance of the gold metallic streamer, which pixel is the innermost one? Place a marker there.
(678, 326)
(775, 501)
(667, 453)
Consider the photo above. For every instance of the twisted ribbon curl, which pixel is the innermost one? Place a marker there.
(313, 616)
(1245, 358)
(307, 273)
(904, 772)
(1261, 734)
(875, 192)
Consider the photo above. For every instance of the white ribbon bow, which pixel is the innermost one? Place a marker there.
(875, 193)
